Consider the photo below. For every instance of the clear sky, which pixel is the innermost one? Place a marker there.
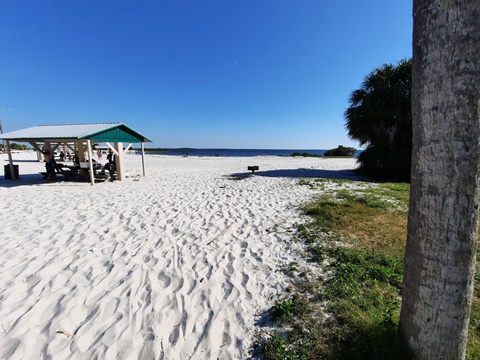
(268, 74)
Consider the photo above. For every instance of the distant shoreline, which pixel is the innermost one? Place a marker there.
(239, 152)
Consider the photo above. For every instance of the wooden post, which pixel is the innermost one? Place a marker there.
(119, 161)
(143, 158)
(81, 152)
(38, 150)
(10, 161)
(90, 163)
(81, 156)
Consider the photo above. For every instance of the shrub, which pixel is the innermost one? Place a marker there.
(341, 151)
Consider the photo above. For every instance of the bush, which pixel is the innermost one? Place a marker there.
(341, 151)
(15, 146)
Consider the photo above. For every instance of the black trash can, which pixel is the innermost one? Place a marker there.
(8, 173)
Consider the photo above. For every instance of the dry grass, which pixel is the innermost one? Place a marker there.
(376, 231)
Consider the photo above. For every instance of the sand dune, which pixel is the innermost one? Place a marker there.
(179, 264)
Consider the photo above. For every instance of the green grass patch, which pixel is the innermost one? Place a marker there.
(397, 192)
(359, 237)
(358, 234)
(320, 182)
(362, 219)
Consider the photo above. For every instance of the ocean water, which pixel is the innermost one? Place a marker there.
(239, 152)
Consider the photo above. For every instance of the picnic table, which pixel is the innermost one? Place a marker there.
(81, 172)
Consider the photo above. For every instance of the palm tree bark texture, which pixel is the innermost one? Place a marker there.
(444, 199)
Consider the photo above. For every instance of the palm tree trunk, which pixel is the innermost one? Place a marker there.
(444, 199)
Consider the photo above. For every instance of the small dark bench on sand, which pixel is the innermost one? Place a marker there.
(253, 168)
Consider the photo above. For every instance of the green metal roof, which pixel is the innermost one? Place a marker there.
(119, 133)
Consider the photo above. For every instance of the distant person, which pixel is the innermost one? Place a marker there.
(99, 155)
(62, 156)
(50, 165)
(76, 159)
(110, 166)
(111, 157)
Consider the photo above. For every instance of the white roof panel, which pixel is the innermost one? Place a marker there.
(73, 131)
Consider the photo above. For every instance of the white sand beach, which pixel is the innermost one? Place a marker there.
(180, 264)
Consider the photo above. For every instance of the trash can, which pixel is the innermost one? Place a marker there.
(8, 173)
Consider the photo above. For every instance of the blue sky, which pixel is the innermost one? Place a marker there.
(269, 74)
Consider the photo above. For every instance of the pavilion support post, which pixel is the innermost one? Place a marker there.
(112, 147)
(81, 156)
(37, 149)
(80, 150)
(47, 146)
(90, 163)
(10, 161)
(127, 148)
(119, 161)
(55, 147)
(143, 158)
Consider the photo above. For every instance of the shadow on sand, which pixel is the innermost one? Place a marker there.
(23, 161)
(305, 173)
(37, 179)
(26, 179)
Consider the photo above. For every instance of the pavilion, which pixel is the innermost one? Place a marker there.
(78, 138)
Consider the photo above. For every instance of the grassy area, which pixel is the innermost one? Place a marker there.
(357, 233)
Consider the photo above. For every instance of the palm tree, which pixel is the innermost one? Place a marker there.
(379, 116)
(445, 193)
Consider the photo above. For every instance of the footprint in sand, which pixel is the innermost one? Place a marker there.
(146, 297)
(164, 279)
(174, 335)
(149, 260)
(177, 283)
(227, 288)
(245, 279)
(226, 338)
(193, 285)
(147, 352)
(149, 336)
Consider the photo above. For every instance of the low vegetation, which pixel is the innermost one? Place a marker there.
(380, 118)
(357, 234)
(305, 154)
(341, 151)
(15, 146)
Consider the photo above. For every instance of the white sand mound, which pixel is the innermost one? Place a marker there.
(179, 264)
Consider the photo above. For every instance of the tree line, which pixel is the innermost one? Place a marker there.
(380, 118)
